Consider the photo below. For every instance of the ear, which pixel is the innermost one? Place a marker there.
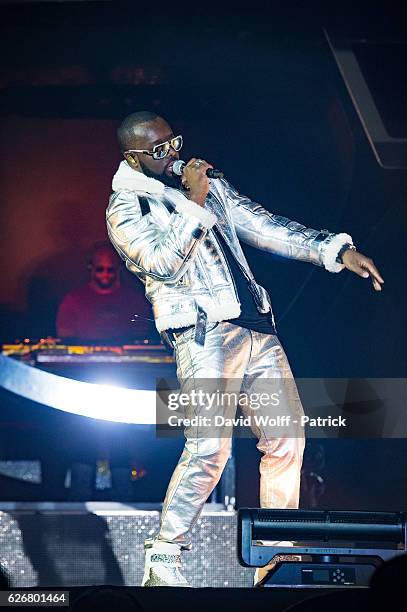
(133, 160)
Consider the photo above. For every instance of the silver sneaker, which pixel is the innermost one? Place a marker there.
(162, 563)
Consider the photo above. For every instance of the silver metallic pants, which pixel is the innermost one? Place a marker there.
(230, 352)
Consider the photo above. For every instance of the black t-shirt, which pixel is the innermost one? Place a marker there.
(249, 317)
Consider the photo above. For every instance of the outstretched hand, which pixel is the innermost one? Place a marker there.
(363, 266)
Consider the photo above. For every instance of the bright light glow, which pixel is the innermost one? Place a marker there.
(106, 402)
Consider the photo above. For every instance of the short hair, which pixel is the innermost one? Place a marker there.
(102, 246)
(129, 125)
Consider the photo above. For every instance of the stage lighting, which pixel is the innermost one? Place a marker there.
(337, 548)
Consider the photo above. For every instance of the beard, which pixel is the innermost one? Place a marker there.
(169, 181)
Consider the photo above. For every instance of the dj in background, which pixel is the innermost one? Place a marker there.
(103, 308)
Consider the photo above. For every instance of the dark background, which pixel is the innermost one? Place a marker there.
(255, 91)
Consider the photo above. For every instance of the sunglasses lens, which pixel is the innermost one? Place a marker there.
(161, 150)
(177, 143)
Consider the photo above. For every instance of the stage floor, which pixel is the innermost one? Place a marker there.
(75, 544)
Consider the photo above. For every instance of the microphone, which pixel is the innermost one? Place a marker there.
(179, 165)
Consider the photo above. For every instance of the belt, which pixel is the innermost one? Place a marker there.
(177, 330)
(200, 328)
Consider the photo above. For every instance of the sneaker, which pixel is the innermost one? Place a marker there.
(162, 563)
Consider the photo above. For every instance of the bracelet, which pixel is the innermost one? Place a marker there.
(345, 247)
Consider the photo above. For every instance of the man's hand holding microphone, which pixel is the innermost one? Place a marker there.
(195, 177)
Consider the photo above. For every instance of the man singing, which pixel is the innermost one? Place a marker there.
(181, 238)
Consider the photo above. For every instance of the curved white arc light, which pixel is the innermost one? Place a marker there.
(105, 402)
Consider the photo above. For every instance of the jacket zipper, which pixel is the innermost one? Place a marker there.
(227, 264)
(251, 281)
(205, 275)
(188, 257)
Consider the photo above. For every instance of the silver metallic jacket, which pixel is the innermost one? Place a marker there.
(168, 242)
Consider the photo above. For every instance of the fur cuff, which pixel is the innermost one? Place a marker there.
(329, 251)
(190, 208)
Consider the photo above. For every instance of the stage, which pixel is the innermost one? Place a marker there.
(75, 544)
(72, 546)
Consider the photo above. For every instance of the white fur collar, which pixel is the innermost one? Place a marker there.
(128, 179)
